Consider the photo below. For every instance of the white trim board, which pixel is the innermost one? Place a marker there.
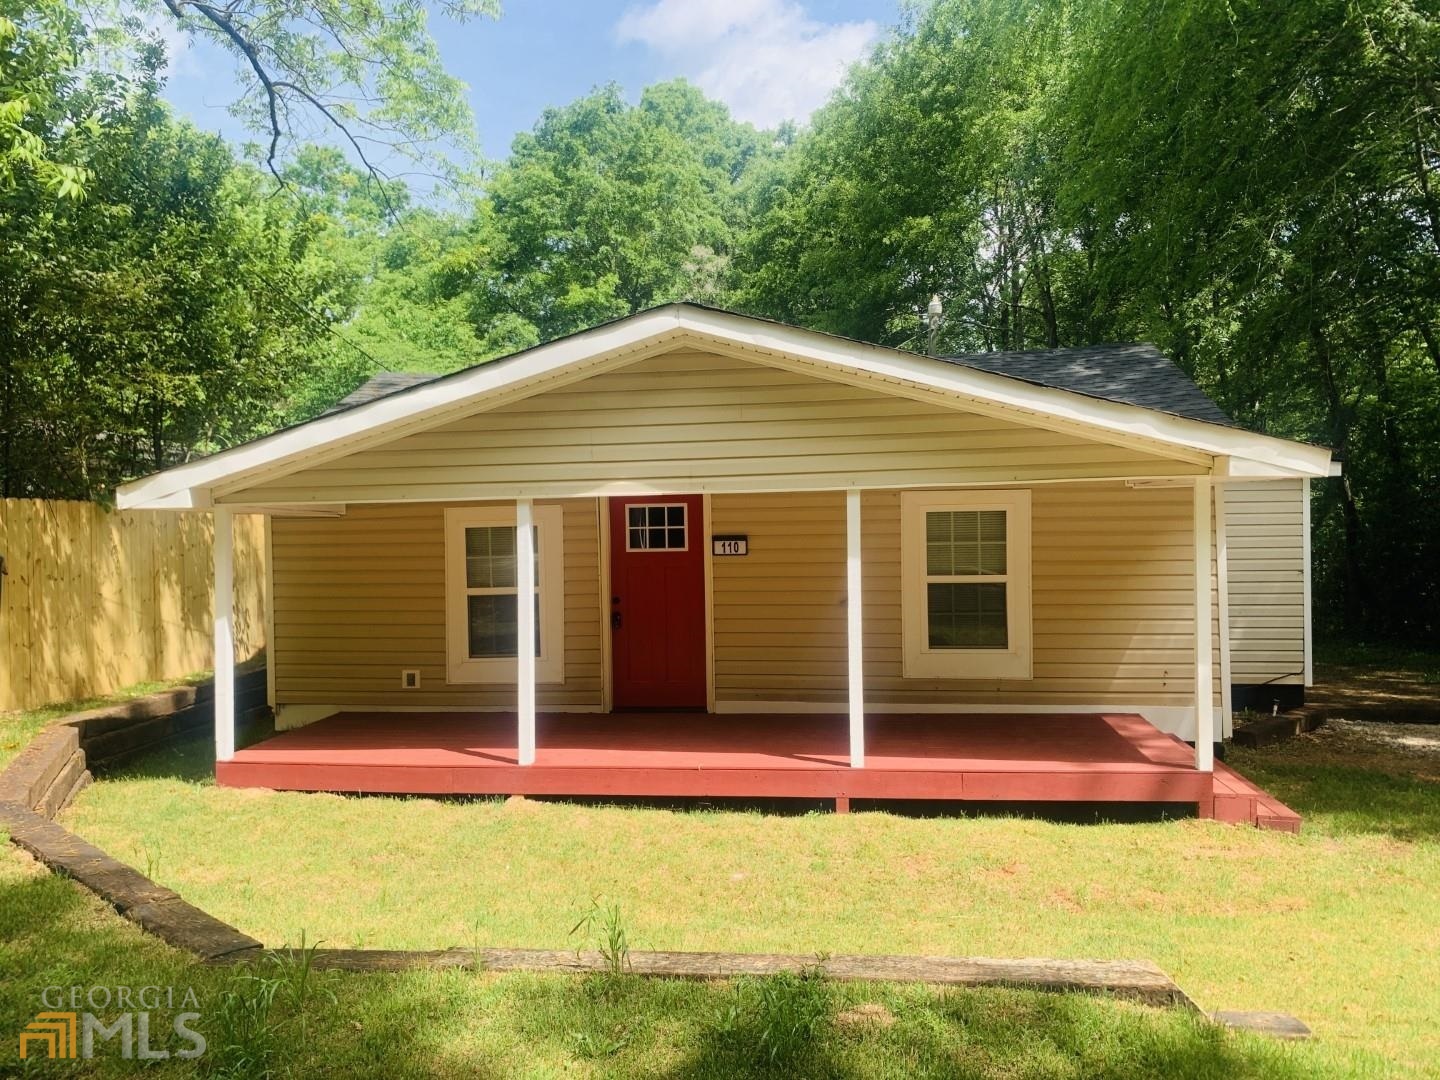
(590, 352)
(1307, 574)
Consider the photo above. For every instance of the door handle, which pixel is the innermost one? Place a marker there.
(615, 620)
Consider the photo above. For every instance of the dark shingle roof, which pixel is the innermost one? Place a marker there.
(1131, 374)
(378, 386)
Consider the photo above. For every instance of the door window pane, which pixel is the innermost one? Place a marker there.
(655, 528)
(966, 615)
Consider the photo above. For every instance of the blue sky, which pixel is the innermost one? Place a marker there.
(769, 60)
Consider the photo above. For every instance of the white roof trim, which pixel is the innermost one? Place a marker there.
(575, 357)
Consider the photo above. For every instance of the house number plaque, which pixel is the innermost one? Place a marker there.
(730, 545)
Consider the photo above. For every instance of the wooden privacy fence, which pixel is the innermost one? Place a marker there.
(93, 600)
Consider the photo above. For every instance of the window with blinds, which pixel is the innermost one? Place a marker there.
(965, 578)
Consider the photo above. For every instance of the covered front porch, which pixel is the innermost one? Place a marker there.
(1057, 758)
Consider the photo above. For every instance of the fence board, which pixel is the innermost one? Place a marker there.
(95, 600)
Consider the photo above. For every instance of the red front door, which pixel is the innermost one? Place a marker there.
(657, 602)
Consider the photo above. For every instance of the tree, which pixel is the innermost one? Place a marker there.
(608, 208)
(1251, 187)
(389, 263)
(1258, 184)
(40, 46)
(367, 72)
(926, 173)
(161, 315)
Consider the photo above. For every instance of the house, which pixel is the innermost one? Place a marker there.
(766, 561)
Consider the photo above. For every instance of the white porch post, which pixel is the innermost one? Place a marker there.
(1222, 587)
(854, 628)
(525, 627)
(1204, 672)
(223, 551)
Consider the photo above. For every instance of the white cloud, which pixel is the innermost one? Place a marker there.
(766, 59)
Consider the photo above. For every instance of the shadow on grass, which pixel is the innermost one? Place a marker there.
(804, 1027)
(1352, 800)
(1076, 813)
(191, 759)
(455, 1022)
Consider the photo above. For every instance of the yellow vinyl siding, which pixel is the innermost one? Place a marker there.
(358, 598)
(1112, 585)
(699, 421)
(1266, 562)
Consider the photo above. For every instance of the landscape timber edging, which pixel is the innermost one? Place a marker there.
(165, 914)
(1265, 730)
(154, 907)
(59, 761)
(114, 734)
(1133, 980)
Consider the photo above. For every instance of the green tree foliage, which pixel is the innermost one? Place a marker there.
(385, 258)
(164, 313)
(365, 72)
(925, 174)
(1251, 186)
(1260, 183)
(39, 43)
(608, 208)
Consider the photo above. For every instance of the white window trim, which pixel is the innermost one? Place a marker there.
(922, 662)
(460, 667)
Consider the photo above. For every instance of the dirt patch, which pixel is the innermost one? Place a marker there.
(1411, 750)
(1418, 741)
(868, 1014)
(1356, 693)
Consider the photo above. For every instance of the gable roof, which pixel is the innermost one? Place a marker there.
(1134, 374)
(425, 404)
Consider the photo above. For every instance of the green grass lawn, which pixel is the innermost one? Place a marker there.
(1335, 926)
(466, 1024)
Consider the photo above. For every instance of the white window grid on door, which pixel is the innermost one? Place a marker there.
(651, 527)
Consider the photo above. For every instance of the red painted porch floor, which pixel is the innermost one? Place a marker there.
(1117, 757)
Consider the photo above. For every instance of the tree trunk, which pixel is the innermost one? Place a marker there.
(1356, 594)
(157, 435)
(1427, 196)
(7, 426)
(1427, 335)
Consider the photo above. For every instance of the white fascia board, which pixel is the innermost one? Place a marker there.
(189, 485)
(1291, 458)
(452, 393)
